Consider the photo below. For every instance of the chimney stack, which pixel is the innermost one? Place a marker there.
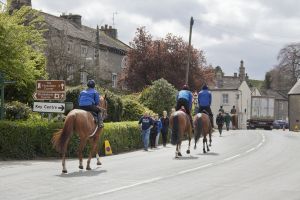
(110, 31)
(76, 19)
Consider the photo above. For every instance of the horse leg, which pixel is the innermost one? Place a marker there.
(92, 152)
(210, 139)
(207, 146)
(179, 149)
(98, 159)
(188, 151)
(81, 147)
(204, 140)
(64, 163)
(176, 152)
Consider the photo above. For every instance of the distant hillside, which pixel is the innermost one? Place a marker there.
(255, 83)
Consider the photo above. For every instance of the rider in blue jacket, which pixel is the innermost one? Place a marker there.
(89, 99)
(185, 98)
(204, 102)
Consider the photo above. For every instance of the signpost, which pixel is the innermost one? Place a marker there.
(49, 107)
(49, 96)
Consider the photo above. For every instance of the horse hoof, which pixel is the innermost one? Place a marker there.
(204, 151)
(179, 154)
(188, 151)
(209, 145)
(99, 163)
(88, 168)
(80, 167)
(208, 150)
(64, 171)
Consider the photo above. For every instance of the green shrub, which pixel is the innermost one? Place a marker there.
(16, 110)
(160, 96)
(132, 110)
(32, 139)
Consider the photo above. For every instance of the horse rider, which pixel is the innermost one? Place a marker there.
(204, 102)
(185, 98)
(89, 99)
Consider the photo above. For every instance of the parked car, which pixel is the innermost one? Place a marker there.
(279, 124)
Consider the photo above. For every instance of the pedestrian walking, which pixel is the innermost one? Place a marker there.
(220, 122)
(158, 128)
(221, 109)
(153, 132)
(146, 124)
(233, 118)
(227, 120)
(165, 127)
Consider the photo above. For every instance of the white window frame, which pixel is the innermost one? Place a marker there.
(225, 98)
(69, 47)
(114, 77)
(83, 51)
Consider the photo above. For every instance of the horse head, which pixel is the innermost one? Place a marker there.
(103, 106)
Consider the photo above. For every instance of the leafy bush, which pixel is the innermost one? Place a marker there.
(32, 139)
(160, 96)
(16, 110)
(132, 110)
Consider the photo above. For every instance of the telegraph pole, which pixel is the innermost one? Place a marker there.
(189, 52)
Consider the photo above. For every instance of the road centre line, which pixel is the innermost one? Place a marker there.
(120, 188)
(252, 149)
(232, 157)
(194, 169)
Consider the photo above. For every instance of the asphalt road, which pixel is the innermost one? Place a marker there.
(241, 165)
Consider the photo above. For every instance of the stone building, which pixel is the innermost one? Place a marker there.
(76, 53)
(228, 91)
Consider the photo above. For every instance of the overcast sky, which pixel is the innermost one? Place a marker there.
(227, 31)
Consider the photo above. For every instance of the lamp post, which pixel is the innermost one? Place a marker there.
(189, 51)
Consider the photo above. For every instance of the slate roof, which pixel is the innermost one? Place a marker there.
(295, 89)
(273, 93)
(83, 32)
(227, 83)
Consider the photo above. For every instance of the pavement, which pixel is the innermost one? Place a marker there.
(242, 164)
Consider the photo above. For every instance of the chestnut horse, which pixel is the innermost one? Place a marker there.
(180, 125)
(81, 122)
(202, 126)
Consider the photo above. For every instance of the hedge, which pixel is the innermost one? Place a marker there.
(29, 140)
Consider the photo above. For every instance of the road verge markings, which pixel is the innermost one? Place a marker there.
(196, 168)
(248, 151)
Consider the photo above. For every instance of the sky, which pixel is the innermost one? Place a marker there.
(227, 31)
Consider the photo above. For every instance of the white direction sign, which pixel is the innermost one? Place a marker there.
(49, 107)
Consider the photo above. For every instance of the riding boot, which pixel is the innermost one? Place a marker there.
(100, 120)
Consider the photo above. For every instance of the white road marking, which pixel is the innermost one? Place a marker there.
(120, 188)
(194, 169)
(232, 157)
(252, 149)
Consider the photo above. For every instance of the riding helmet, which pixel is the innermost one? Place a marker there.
(91, 84)
(185, 87)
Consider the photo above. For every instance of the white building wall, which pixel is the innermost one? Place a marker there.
(245, 104)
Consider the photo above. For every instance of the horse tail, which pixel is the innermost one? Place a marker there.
(198, 129)
(61, 138)
(175, 130)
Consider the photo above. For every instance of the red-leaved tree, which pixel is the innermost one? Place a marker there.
(150, 60)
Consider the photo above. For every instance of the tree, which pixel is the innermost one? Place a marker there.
(150, 60)
(160, 96)
(286, 73)
(21, 52)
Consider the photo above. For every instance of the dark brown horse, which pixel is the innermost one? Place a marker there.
(180, 125)
(202, 126)
(82, 122)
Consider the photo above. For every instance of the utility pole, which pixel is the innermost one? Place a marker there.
(189, 52)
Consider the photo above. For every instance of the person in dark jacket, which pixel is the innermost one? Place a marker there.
(227, 120)
(89, 99)
(146, 123)
(165, 127)
(153, 132)
(185, 98)
(220, 122)
(204, 102)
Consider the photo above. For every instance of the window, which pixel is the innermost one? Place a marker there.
(70, 72)
(225, 99)
(114, 80)
(96, 52)
(84, 51)
(69, 47)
